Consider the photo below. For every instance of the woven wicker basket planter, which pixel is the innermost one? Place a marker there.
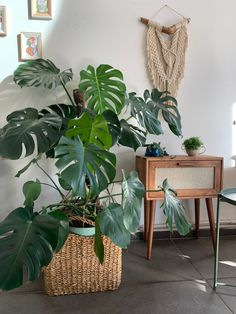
(76, 269)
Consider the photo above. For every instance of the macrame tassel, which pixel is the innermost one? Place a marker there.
(166, 59)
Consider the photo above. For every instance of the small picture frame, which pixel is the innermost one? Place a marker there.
(29, 46)
(40, 9)
(3, 20)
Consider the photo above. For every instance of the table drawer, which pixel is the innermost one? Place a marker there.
(191, 177)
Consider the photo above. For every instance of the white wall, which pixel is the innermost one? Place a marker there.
(109, 31)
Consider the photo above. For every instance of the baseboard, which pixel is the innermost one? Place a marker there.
(161, 232)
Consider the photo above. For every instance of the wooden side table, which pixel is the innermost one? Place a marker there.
(192, 177)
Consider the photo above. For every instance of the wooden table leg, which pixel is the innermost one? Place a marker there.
(211, 218)
(151, 228)
(146, 219)
(197, 216)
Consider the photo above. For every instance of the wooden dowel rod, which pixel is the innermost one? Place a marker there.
(144, 21)
(168, 30)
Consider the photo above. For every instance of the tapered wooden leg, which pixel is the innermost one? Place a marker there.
(146, 218)
(151, 228)
(197, 216)
(211, 218)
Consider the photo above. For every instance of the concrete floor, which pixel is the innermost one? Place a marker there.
(178, 279)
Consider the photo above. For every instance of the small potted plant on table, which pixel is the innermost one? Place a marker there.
(78, 136)
(193, 146)
(155, 150)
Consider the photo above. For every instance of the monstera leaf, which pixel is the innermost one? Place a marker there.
(63, 228)
(27, 242)
(77, 161)
(41, 72)
(113, 125)
(131, 135)
(111, 223)
(98, 244)
(174, 210)
(28, 129)
(31, 192)
(26, 167)
(66, 112)
(161, 102)
(103, 88)
(90, 129)
(132, 193)
(145, 114)
(160, 97)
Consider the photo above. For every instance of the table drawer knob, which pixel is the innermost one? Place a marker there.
(185, 164)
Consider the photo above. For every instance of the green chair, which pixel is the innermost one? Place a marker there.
(227, 196)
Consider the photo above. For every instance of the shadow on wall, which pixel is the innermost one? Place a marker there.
(229, 179)
(95, 35)
(66, 46)
(125, 160)
(82, 34)
(6, 193)
(12, 97)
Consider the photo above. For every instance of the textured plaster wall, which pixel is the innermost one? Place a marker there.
(108, 31)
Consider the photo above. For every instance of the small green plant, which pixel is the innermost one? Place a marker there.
(155, 149)
(192, 143)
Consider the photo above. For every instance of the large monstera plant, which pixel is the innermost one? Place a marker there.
(78, 136)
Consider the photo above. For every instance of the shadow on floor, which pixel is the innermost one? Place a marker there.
(178, 279)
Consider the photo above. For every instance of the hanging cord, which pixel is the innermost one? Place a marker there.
(158, 11)
(170, 8)
(168, 30)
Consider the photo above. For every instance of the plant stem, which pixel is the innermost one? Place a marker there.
(54, 183)
(111, 195)
(68, 94)
(61, 205)
(128, 118)
(52, 186)
(118, 181)
(67, 194)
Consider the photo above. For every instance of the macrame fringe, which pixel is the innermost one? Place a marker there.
(166, 58)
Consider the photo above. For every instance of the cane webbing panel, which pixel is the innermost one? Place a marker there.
(186, 178)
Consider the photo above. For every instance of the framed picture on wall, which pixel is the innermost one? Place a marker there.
(29, 46)
(40, 9)
(3, 21)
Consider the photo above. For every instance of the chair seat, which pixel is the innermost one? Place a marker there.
(228, 196)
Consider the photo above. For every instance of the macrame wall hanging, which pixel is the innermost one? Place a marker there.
(166, 55)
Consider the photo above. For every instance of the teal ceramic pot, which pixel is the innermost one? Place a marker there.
(85, 232)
